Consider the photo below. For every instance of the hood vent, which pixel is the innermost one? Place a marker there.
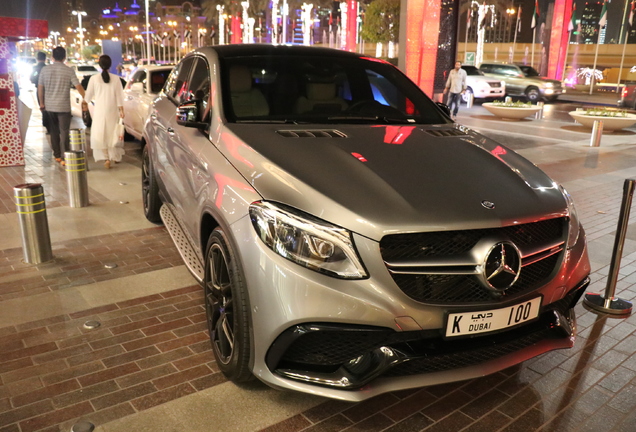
(311, 134)
(445, 132)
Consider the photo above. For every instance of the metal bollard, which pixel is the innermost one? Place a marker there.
(76, 178)
(508, 100)
(608, 303)
(597, 133)
(77, 141)
(34, 225)
(470, 99)
(539, 114)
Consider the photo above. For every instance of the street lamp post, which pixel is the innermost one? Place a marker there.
(80, 14)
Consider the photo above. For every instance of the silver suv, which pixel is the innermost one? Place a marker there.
(522, 80)
(351, 239)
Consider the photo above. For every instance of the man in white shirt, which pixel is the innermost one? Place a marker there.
(54, 84)
(455, 86)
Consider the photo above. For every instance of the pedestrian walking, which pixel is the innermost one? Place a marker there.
(106, 90)
(54, 84)
(35, 77)
(455, 86)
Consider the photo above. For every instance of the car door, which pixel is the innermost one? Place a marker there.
(132, 95)
(162, 128)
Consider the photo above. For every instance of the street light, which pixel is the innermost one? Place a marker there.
(80, 14)
(55, 34)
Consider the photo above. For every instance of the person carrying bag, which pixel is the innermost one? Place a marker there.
(106, 91)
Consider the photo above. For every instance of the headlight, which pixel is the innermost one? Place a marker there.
(574, 228)
(548, 85)
(306, 240)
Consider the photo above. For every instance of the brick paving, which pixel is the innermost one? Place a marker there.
(146, 352)
(82, 262)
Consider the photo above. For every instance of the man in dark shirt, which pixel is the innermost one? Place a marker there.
(35, 76)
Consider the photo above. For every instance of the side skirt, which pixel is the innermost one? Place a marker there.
(183, 242)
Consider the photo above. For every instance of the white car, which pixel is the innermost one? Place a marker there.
(83, 70)
(482, 87)
(144, 85)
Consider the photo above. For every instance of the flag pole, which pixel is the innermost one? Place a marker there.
(602, 22)
(514, 42)
(620, 69)
(534, 35)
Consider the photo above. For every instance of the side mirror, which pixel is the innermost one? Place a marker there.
(445, 108)
(138, 87)
(189, 115)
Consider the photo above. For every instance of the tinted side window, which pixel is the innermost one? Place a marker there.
(200, 84)
(138, 76)
(177, 88)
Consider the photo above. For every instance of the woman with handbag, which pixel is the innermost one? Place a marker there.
(107, 128)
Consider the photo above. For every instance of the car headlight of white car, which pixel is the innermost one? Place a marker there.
(574, 228)
(306, 240)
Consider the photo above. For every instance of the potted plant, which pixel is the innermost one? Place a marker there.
(612, 119)
(509, 110)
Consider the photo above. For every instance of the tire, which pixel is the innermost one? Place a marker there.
(227, 309)
(149, 189)
(533, 94)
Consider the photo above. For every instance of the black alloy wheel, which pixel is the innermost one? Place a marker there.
(149, 188)
(533, 94)
(227, 309)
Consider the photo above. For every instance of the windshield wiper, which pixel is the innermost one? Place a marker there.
(285, 121)
(372, 119)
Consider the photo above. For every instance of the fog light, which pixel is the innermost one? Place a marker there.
(549, 91)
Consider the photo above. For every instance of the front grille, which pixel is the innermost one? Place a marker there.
(494, 84)
(334, 347)
(456, 360)
(465, 288)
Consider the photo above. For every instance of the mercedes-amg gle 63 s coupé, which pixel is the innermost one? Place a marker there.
(350, 238)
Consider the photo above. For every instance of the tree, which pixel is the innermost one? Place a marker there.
(382, 21)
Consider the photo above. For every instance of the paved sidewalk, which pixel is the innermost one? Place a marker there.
(148, 366)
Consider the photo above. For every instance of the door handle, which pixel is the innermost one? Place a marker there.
(153, 116)
(170, 131)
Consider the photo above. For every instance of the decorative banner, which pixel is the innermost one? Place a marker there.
(20, 29)
(11, 151)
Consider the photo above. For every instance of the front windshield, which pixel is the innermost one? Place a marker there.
(321, 89)
(529, 71)
(472, 70)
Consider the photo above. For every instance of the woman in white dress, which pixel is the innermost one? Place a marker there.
(106, 90)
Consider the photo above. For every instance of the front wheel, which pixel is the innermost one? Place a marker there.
(227, 309)
(149, 189)
(533, 94)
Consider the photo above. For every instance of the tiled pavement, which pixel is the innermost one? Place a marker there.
(148, 366)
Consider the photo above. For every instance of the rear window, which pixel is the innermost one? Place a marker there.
(87, 68)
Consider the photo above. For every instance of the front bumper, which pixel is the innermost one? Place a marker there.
(397, 343)
(489, 93)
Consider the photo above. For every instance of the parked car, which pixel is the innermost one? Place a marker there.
(628, 96)
(349, 237)
(523, 81)
(84, 70)
(482, 87)
(144, 85)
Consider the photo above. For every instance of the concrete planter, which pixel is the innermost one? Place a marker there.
(609, 123)
(511, 113)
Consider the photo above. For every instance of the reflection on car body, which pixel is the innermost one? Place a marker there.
(628, 96)
(144, 85)
(349, 237)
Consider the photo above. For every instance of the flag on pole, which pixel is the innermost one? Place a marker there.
(572, 23)
(631, 15)
(176, 34)
(483, 16)
(468, 19)
(187, 34)
(519, 19)
(603, 21)
(535, 14)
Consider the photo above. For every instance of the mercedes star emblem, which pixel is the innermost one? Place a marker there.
(502, 266)
(488, 204)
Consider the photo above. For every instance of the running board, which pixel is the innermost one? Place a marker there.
(182, 242)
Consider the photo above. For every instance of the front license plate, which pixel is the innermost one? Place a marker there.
(469, 323)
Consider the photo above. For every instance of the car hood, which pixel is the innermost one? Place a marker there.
(377, 180)
(541, 80)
